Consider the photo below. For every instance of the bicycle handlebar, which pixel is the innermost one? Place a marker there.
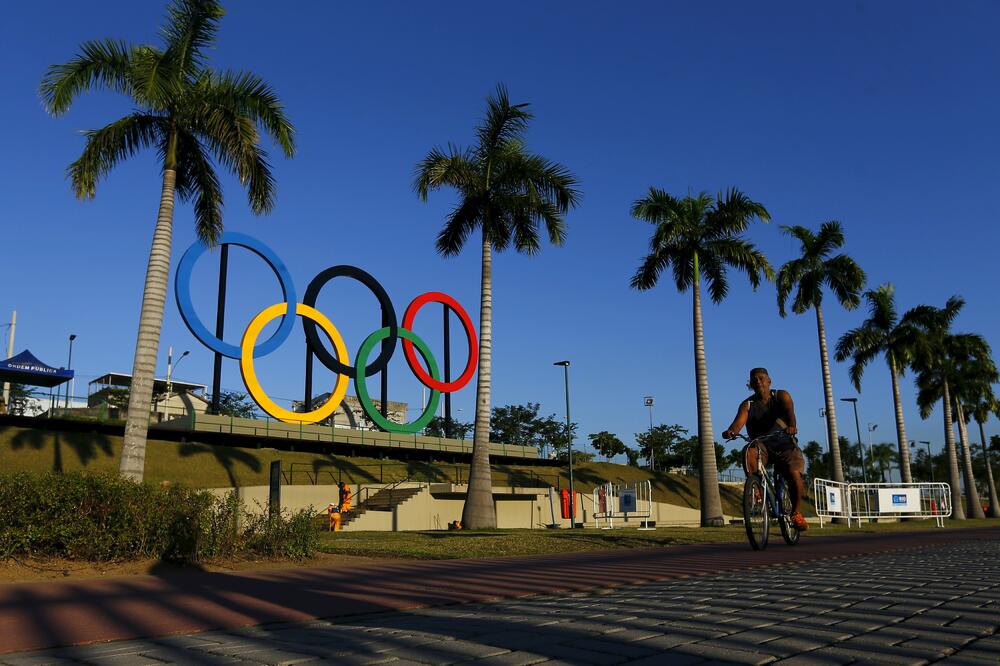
(746, 439)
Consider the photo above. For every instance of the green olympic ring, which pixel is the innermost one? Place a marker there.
(361, 388)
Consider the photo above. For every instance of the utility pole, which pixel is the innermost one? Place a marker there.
(10, 352)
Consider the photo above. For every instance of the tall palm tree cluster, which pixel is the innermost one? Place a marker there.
(196, 117)
(702, 234)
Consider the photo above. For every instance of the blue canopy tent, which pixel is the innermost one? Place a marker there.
(26, 369)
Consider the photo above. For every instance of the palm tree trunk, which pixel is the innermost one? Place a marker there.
(994, 503)
(904, 445)
(479, 512)
(711, 500)
(154, 296)
(957, 511)
(974, 507)
(831, 414)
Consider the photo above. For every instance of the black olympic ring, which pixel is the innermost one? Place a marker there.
(388, 319)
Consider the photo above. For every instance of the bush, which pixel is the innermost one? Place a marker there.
(105, 517)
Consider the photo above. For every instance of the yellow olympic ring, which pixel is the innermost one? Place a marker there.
(250, 376)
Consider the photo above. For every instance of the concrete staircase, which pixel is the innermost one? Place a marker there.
(386, 499)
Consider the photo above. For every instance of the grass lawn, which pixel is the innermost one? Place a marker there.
(443, 545)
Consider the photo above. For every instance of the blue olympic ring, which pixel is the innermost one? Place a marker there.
(182, 290)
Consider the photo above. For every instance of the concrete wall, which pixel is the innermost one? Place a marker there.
(441, 503)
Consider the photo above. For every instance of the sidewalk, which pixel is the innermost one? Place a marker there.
(50, 614)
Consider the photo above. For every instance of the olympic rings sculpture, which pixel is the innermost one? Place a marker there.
(338, 362)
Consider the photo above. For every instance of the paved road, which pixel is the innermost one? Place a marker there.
(907, 603)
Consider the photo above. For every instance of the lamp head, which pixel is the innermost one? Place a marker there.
(564, 364)
(185, 353)
(854, 400)
(72, 337)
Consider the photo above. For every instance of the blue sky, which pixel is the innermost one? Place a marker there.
(880, 115)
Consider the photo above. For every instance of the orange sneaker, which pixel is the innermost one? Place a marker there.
(799, 521)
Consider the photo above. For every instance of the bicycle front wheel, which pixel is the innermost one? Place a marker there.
(756, 517)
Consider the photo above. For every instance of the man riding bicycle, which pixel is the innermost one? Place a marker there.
(769, 412)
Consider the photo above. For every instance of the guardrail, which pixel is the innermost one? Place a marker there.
(392, 472)
(864, 501)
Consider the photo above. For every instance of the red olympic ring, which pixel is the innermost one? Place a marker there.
(470, 335)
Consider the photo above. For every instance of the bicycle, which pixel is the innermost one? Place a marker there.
(764, 497)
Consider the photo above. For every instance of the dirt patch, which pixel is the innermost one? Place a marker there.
(30, 570)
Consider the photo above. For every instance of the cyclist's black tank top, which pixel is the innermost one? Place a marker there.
(762, 419)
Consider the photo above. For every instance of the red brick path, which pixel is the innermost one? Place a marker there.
(49, 614)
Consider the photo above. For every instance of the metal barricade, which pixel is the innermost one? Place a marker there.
(899, 500)
(864, 501)
(831, 499)
(621, 500)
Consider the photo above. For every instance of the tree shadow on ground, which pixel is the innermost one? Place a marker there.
(86, 445)
(227, 456)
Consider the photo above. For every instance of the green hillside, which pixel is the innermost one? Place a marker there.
(205, 466)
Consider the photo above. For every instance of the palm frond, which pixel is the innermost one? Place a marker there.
(788, 276)
(155, 80)
(235, 143)
(657, 207)
(809, 294)
(461, 222)
(247, 95)
(846, 279)
(198, 182)
(104, 63)
(733, 213)
(742, 255)
(191, 28)
(452, 167)
(862, 345)
(504, 122)
(109, 145)
(829, 238)
(803, 234)
(648, 273)
(714, 271)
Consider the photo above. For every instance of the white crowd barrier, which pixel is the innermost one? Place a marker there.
(622, 500)
(862, 501)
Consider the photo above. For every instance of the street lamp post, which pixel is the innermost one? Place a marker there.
(69, 366)
(170, 368)
(569, 446)
(857, 427)
(930, 460)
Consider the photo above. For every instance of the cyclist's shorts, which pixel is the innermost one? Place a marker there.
(789, 460)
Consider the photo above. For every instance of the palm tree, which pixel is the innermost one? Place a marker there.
(809, 273)
(883, 456)
(975, 374)
(505, 193)
(981, 410)
(189, 114)
(882, 334)
(938, 354)
(696, 235)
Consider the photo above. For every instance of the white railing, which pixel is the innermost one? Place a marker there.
(861, 501)
(622, 500)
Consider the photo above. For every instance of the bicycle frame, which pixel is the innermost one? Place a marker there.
(774, 491)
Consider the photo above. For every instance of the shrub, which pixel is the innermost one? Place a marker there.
(105, 517)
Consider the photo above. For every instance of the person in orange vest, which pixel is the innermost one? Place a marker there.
(345, 497)
(333, 511)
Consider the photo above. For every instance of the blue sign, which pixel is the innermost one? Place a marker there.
(899, 499)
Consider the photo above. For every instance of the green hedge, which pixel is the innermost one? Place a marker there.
(105, 517)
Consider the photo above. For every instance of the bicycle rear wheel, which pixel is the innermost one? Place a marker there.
(789, 532)
(756, 517)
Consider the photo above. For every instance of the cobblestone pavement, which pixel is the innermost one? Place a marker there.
(936, 603)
